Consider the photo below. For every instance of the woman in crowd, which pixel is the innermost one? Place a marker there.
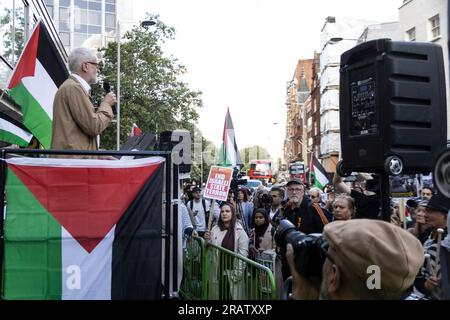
(245, 209)
(343, 208)
(261, 238)
(228, 234)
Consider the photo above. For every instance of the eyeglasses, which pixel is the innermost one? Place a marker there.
(295, 190)
(94, 63)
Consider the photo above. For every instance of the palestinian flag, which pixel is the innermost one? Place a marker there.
(83, 229)
(34, 82)
(229, 154)
(135, 130)
(13, 131)
(319, 173)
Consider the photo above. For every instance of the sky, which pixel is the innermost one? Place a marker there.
(241, 54)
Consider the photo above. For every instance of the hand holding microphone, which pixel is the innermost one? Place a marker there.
(110, 97)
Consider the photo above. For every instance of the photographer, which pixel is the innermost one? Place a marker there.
(359, 259)
(367, 202)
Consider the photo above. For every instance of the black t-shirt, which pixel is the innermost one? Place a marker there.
(367, 207)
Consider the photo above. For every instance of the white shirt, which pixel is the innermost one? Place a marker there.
(83, 82)
(272, 213)
(200, 217)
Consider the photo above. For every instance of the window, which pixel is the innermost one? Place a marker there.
(78, 39)
(110, 8)
(435, 27)
(110, 20)
(65, 38)
(95, 6)
(82, 28)
(411, 34)
(80, 4)
(49, 5)
(80, 16)
(50, 11)
(94, 18)
(64, 18)
(94, 29)
(64, 3)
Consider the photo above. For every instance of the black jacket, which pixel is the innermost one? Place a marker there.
(306, 218)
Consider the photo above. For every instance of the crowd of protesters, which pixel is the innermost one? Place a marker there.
(413, 257)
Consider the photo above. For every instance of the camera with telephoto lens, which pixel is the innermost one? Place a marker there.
(309, 254)
(266, 199)
(236, 181)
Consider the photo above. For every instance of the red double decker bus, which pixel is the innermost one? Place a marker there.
(260, 169)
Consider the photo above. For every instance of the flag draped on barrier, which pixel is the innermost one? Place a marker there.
(34, 82)
(13, 131)
(229, 154)
(319, 173)
(83, 229)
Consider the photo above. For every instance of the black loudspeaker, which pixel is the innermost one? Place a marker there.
(178, 141)
(393, 113)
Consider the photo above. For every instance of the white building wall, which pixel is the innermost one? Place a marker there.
(416, 13)
(86, 23)
(336, 38)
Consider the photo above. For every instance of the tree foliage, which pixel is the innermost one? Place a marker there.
(152, 96)
(7, 23)
(208, 156)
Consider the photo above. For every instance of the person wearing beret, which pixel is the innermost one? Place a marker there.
(365, 259)
(428, 281)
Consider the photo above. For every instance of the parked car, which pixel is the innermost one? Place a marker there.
(252, 185)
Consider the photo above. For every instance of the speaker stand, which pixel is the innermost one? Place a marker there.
(385, 196)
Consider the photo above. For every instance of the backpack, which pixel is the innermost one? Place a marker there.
(204, 208)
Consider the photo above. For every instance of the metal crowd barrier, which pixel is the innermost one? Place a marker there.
(193, 272)
(214, 273)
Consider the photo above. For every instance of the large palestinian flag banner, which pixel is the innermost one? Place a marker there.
(34, 82)
(83, 229)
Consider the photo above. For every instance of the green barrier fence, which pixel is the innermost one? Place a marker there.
(214, 273)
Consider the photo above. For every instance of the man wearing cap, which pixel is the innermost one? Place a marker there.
(364, 259)
(436, 212)
(307, 217)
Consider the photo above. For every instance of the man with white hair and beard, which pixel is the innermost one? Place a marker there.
(76, 123)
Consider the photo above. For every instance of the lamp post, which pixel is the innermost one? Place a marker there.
(144, 24)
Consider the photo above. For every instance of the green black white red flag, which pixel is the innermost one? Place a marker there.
(13, 131)
(34, 82)
(229, 154)
(319, 173)
(83, 229)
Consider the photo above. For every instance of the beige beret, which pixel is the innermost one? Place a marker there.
(361, 243)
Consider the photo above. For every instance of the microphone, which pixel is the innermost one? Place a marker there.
(107, 88)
